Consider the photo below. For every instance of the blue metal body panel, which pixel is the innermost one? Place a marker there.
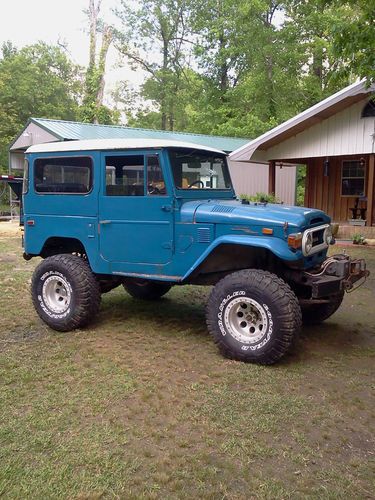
(164, 237)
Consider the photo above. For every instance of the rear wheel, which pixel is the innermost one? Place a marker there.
(253, 316)
(317, 313)
(65, 292)
(146, 289)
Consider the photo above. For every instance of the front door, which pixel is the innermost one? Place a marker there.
(135, 210)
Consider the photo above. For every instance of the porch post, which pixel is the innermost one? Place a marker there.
(272, 177)
(370, 190)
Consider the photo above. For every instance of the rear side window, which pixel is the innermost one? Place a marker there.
(69, 175)
(25, 183)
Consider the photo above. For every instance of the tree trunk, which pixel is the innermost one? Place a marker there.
(106, 42)
(163, 97)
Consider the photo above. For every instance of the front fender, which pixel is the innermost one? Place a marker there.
(276, 246)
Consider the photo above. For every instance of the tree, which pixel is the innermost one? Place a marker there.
(93, 109)
(354, 37)
(38, 80)
(310, 27)
(153, 38)
(240, 67)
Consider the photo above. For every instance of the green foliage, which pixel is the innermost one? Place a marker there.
(38, 80)
(158, 27)
(300, 190)
(354, 36)
(359, 239)
(261, 197)
(230, 68)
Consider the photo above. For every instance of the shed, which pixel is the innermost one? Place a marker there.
(247, 179)
(335, 140)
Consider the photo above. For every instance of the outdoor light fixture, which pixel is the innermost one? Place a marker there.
(326, 167)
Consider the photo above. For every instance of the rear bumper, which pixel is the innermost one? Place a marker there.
(336, 274)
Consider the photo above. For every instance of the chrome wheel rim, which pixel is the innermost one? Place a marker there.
(246, 320)
(56, 294)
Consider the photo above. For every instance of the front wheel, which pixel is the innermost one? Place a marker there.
(65, 292)
(253, 316)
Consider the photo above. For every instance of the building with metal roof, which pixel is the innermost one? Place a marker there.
(40, 130)
(335, 139)
(247, 178)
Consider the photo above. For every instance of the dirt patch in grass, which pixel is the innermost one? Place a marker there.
(10, 228)
(141, 404)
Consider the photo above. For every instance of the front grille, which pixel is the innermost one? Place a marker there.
(318, 237)
(318, 242)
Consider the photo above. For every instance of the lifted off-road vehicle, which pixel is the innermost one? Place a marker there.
(152, 214)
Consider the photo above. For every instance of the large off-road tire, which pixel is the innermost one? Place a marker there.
(65, 292)
(146, 289)
(317, 313)
(253, 316)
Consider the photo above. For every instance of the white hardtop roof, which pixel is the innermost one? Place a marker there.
(293, 125)
(114, 144)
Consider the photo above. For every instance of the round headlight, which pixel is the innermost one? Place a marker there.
(308, 243)
(328, 235)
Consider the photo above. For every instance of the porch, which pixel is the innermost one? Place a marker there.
(341, 186)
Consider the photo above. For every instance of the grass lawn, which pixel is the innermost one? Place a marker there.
(141, 404)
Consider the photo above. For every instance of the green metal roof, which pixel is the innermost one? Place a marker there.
(65, 130)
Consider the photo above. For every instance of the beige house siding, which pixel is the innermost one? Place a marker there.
(344, 133)
(33, 134)
(251, 178)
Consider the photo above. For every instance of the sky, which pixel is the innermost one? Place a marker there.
(24, 22)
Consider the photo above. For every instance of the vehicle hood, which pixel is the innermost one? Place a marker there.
(256, 214)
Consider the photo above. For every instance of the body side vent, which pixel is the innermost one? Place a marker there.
(222, 209)
(204, 235)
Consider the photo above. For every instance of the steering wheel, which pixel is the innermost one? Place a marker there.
(196, 182)
(153, 189)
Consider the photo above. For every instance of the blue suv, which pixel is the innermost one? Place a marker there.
(152, 214)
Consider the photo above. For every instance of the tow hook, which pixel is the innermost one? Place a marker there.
(357, 270)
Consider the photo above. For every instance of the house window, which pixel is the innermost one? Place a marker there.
(353, 178)
(368, 110)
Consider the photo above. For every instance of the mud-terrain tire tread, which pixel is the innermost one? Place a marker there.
(86, 291)
(289, 321)
(316, 314)
(150, 290)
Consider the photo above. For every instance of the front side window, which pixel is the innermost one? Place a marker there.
(194, 169)
(155, 178)
(70, 175)
(353, 178)
(125, 175)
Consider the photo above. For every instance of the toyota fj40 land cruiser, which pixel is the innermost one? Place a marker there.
(153, 214)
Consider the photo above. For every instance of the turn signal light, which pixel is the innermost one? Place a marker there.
(267, 230)
(295, 240)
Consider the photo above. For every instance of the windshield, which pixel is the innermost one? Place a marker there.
(194, 169)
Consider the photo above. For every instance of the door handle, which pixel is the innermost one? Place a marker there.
(105, 222)
(167, 208)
